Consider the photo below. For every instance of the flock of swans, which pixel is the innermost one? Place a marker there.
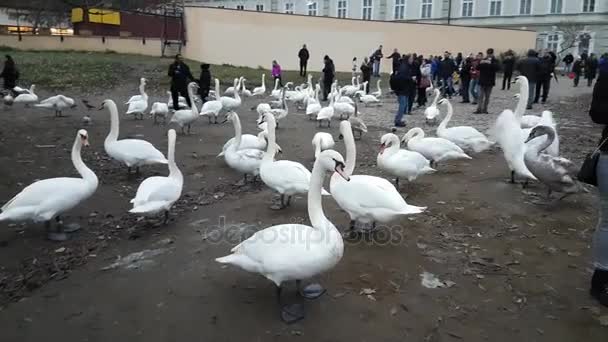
(529, 143)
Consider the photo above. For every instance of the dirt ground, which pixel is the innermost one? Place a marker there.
(513, 270)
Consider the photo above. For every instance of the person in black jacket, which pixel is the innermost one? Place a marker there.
(591, 69)
(544, 78)
(577, 69)
(304, 56)
(487, 80)
(329, 72)
(204, 82)
(10, 74)
(396, 57)
(508, 64)
(414, 65)
(180, 76)
(568, 60)
(376, 58)
(446, 71)
(465, 78)
(530, 68)
(366, 72)
(400, 83)
(599, 115)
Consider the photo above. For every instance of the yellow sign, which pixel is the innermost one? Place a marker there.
(96, 15)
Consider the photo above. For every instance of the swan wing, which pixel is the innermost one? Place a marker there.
(135, 151)
(138, 106)
(155, 189)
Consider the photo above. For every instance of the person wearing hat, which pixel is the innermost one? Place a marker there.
(204, 82)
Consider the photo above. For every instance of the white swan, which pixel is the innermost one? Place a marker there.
(131, 152)
(157, 194)
(286, 177)
(314, 105)
(213, 108)
(57, 103)
(366, 199)
(49, 198)
(276, 92)
(401, 163)
(342, 98)
(231, 103)
(322, 141)
(511, 138)
(327, 113)
(27, 98)
(368, 99)
(432, 112)
(378, 93)
(249, 141)
(186, 117)
(237, 85)
(357, 123)
(310, 251)
(245, 160)
(261, 90)
(434, 149)
(557, 173)
(280, 113)
(526, 121)
(159, 109)
(138, 103)
(468, 138)
(246, 92)
(18, 90)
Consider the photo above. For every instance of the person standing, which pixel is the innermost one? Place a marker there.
(591, 69)
(599, 115)
(276, 72)
(10, 74)
(446, 70)
(414, 67)
(459, 59)
(329, 72)
(568, 60)
(304, 56)
(396, 57)
(400, 83)
(508, 64)
(577, 69)
(487, 80)
(543, 81)
(180, 76)
(425, 82)
(474, 85)
(366, 72)
(204, 82)
(465, 78)
(376, 59)
(354, 68)
(530, 68)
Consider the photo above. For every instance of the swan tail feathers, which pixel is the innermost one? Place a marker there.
(240, 260)
(411, 209)
(149, 207)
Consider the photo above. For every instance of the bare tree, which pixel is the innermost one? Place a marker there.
(571, 35)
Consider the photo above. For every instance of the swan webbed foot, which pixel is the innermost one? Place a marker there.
(311, 291)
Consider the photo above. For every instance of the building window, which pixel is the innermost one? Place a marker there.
(495, 7)
(467, 8)
(427, 9)
(367, 10)
(312, 8)
(556, 7)
(289, 8)
(553, 41)
(588, 5)
(259, 8)
(525, 7)
(399, 9)
(240, 7)
(342, 8)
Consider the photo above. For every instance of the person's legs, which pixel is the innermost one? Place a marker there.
(183, 91)
(577, 78)
(546, 88)
(486, 102)
(539, 84)
(421, 96)
(480, 100)
(589, 81)
(175, 97)
(402, 100)
(410, 100)
(450, 83)
(464, 91)
(305, 67)
(531, 93)
(474, 85)
(599, 281)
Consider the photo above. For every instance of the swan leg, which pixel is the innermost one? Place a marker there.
(188, 128)
(513, 177)
(351, 234)
(209, 117)
(524, 185)
(279, 206)
(288, 201)
(56, 234)
(397, 182)
(290, 313)
(166, 220)
(310, 291)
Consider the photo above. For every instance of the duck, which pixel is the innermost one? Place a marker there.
(526, 121)
(557, 173)
(432, 112)
(322, 141)
(230, 104)
(186, 117)
(237, 85)
(57, 103)
(357, 123)
(314, 105)
(401, 163)
(326, 113)
(158, 194)
(245, 160)
(138, 103)
(27, 98)
(286, 177)
(466, 137)
(366, 199)
(159, 109)
(131, 152)
(378, 93)
(261, 90)
(246, 92)
(47, 199)
(436, 150)
(213, 108)
(511, 138)
(181, 102)
(319, 249)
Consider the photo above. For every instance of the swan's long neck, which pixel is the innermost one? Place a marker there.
(545, 144)
(264, 81)
(418, 134)
(437, 93)
(271, 148)
(315, 206)
(87, 174)
(236, 93)
(378, 85)
(114, 122)
(395, 146)
(444, 124)
(237, 130)
(217, 89)
(351, 151)
(191, 94)
(174, 171)
(276, 84)
(524, 94)
(142, 88)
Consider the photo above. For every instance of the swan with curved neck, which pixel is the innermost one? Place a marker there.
(158, 194)
(131, 152)
(138, 103)
(57, 103)
(466, 137)
(526, 121)
(245, 160)
(378, 92)
(313, 249)
(27, 98)
(401, 163)
(231, 103)
(47, 199)
(261, 90)
(322, 141)
(510, 136)
(326, 113)
(186, 117)
(432, 112)
(434, 149)
(213, 108)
